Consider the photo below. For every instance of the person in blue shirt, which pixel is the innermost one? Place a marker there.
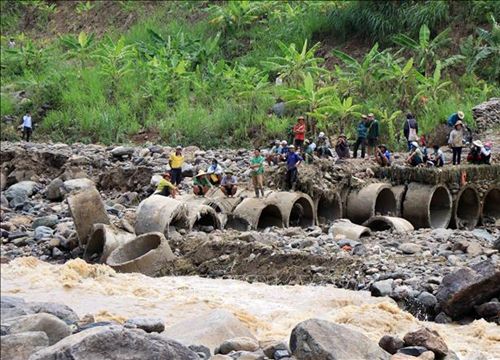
(293, 160)
(361, 139)
(453, 118)
(383, 156)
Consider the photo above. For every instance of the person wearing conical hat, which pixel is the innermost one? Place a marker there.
(453, 118)
(201, 184)
(456, 142)
(479, 154)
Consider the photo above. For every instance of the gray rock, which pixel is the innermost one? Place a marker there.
(238, 344)
(465, 288)
(474, 249)
(441, 234)
(19, 193)
(55, 328)
(115, 343)
(55, 190)
(149, 325)
(209, 329)
(442, 318)
(187, 170)
(42, 232)
(48, 221)
(427, 299)
(202, 351)
(78, 184)
(61, 311)
(427, 338)
(483, 234)
(382, 288)
(410, 248)
(391, 344)
(12, 312)
(10, 301)
(316, 339)
(121, 151)
(489, 310)
(3, 201)
(21, 346)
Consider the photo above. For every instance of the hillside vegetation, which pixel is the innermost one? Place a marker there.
(205, 72)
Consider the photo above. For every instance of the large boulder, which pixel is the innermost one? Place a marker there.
(316, 339)
(21, 346)
(429, 339)
(61, 311)
(115, 343)
(210, 329)
(48, 221)
(121, 151)
(55, 190)
(465, 288)
(55, 328)
(19, 193)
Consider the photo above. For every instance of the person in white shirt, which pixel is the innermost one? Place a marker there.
(27, 126)
(214, 172)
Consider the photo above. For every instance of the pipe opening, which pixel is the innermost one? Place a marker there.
(206, 221)
(440, 208)
(491, 206)
(237, 223)
(378, 225)
(385, 204)
(179, 222)
(95, 245)
(270, 216)
(329, 209)
(302, 213)
(135, 249)
(467, 209)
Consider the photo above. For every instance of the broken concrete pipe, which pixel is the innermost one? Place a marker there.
(103, 240)
(202, 216)
(160, 213)
(258, 213)
(399, 192)
(427, 206)
(382, 223)
(345, 228)
(146, 254)
(490, 209)
(86, 208)
(297, 208)
(373, 199)
(328, 208)
(466, 208)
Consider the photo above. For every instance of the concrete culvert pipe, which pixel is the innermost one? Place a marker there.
(297, 208)
(490, 212)
(86, 209)
(399, 194)
(103, 240)
(160, 213)
(201, 217)
(344, 227)
(328, 208)
(427, 206)
(374, 199)
(259, 213)
(146, 254)
(382, 223)
(466, 209)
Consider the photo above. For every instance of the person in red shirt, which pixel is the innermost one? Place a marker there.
(299, 131)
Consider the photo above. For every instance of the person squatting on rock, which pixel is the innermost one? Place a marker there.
(309, 151)
(293, 160)
(323, 146)
(165, 187)
(416, 157)
(456, 142)
(257, 166)
(436, 158)
(479, 154)
(228, 184)
(214, 172)
(410, 129)
(274, 155)
(201, 184)
(372, 134)
(299, 131)
(176, 160)
(383, 155)
(361, 138)
(342, 147)
(27, 126)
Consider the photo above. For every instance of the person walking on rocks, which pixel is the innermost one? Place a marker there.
(410, 129)
(299, 131)
(201, 184)
(293, 160)
(27, 126)
(229, 184)
(257, 167)
(361, 139)
(176, 161)
(456, 142)
(372, 134)
(165, 186)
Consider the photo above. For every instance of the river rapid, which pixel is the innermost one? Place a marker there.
(270, 312)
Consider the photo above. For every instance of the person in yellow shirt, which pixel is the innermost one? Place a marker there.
(165, 187)
(176, 161)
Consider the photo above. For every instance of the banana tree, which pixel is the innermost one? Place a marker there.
(343, 109)
(79, 47)
(293, 65)
(431, 87)
(488, 51)
(401, 79)
(388, 124)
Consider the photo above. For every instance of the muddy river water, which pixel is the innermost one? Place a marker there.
(269, 311)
